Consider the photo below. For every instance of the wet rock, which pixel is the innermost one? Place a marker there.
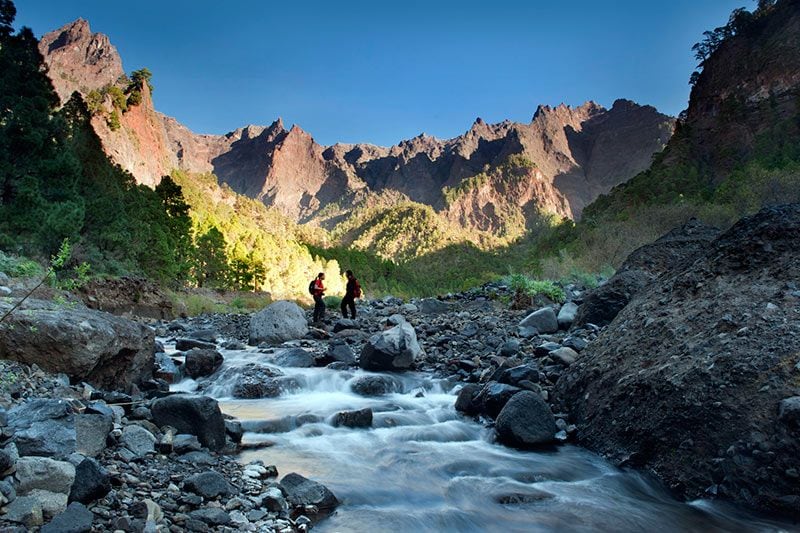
(566, 315)
(279, 322)
(138, 440)
(338, 352)
(544, 320)
(353, 419)
(75, 519)
(43, 427)
(184, 345)
(209, 485)
(92, 482)
(234, 430)
(513, 376)
(200, 362)
(394, 349)
(44, 473)
(102, 349)
(274, 501)
(294, 357)
(525, 421)
(166, 369)
(376, 385)
(465, 401)
(197, 415)
(494, 396)
(301, 491)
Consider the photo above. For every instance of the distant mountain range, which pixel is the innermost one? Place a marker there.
(492, 174)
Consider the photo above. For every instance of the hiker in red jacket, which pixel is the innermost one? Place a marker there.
(319, 291)
(352, 291)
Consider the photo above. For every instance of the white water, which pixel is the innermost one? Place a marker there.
(423, 467)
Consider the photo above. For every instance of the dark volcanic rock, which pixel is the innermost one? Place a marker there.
(376, 385)
(689, 378)
(525, 421)
(301, 491)
(678, 247)
(75, 519)
(493, 397)
(197, 415)
(353, 419)
(44, 427)
(208, 485)
(202, 362)
(92, 482)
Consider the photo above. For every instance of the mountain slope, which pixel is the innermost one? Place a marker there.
(579, 152)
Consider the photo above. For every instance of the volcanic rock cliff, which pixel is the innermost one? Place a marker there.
(565, 157)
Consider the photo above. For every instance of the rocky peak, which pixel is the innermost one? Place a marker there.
(79, 59)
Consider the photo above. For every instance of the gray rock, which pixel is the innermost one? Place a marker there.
(92, 482)
(544, 320)
(234, 430)
(576, 343)
(45, 474)
(353, 419)
(566, 315)
(376, 385)
(470, 329)
(279, 322)
(494, 396)
(138, 440)
(294, 357)
(209, 485)
(7, 490)
(183, 443)
(166, 369)
(545, 348)
(212, 516)
(184, 345)
(510, 348)
(431, 306)
(205, 334)
(409, 309)
(274, 501)
(393, 349)
(52, 502)
(201, 362)
(197, 415)
(339, 352)
(526, 421)
(92, 431)
(43, 427)
(301, 491)
(343, 324)
(7, 462)
(565, 356)
(517, 374)
(465, 401)
(75, 519)
(104, 350)
(789, 410)
(25, 510)
(527, 332)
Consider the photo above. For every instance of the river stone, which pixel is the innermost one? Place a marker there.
(183, 443)
(789, 410)
(91, 431)
(576, 343)
(75, 519)
(52, 502)
(565, 356)
(279, 322)
(104, 350)
(525, 421)
(513, 376)
(234, 430)
(393, 349)
(138, 440)
(353, 419)
(301, 491)
(432, 306)
(494, 396)
(544, 320)
(343, 324)
(7, 462)
(201, 363)
(166, 369)
(92, 482)
(43, 427)
(44, 473)
(409, 309)
(338, 352)
(294, 357)
(566, 315)
(510, 348)
(465, 401)
(376, 385)
(197, 415)
(25, 510)
(274, 501)
(204, 334)
(213, 516)
(208, 484)
(183, 345)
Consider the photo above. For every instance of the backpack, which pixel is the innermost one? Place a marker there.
(357, 290)
(312, 287)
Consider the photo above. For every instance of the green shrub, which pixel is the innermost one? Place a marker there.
(20, 267)
(332, 301)
(527, 286)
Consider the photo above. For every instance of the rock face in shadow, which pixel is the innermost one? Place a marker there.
(675, 249)
(107, 351)
(689, 379)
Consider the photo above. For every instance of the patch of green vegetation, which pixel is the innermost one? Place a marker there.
(20, 267)
(528, 286)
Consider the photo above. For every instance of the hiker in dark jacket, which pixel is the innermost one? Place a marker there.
(352, 291)
(319, 292)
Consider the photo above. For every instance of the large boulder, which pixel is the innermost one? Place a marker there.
(104, 350)
(209, 484)
(393, 349)
(526, 421)
(294, 357)
(688, 379)
(376, 385)
(543, 321)
(43, 473)
(202, 362)
(92, 482)
(678, 247)
(196, 415)
(493, 397)
(279, 322)
(44, 427)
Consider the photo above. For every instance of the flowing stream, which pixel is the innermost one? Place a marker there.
(423, 467)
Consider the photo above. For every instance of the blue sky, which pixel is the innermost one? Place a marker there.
(380, 71)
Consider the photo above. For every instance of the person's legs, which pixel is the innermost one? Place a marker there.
(344, 307)
(319, 308)
(351, 303)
